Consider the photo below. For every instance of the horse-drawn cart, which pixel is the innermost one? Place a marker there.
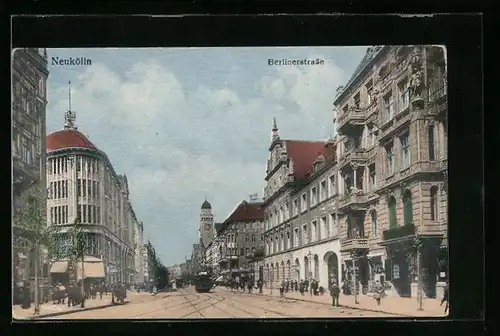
(119, 292)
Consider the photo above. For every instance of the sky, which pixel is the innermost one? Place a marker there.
(188, 123)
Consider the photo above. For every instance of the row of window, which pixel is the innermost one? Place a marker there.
(232, 237)
(403, 101)
(89, 213)
(58, 189)
(314, 231)
(408, 208)
(302, 204)
(59, 215)
(233, 251)
(25, 148)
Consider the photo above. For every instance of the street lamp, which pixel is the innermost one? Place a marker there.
(309, 256)
(354, 256)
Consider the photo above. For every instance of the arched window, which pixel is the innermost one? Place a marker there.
(434, 203)
(407, 208)
(391, 205)
(374, 222)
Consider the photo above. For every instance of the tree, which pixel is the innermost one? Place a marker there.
(30, 222)
(158, 271)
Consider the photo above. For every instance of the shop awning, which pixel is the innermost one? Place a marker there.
(92, 268)
(59, 267)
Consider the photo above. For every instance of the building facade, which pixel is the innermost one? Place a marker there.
(29, 101)
(301, 219)
(174, 272)
(146, 264)
(239, 236)
(83, 186)
(392, 118)
(138, 253)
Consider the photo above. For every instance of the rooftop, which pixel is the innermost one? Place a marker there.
(68, 138)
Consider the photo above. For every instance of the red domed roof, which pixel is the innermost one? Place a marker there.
(67, 138)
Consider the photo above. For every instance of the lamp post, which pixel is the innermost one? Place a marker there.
(309, 256)
(354, 256)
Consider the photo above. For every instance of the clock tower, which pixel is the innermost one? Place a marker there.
(206, 223)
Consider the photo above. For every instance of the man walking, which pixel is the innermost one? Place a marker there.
(445, 298)
(335, 293)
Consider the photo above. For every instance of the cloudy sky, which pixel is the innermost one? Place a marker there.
(185, 124)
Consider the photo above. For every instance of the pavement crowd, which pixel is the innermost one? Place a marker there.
(389, 304)
(49, 309)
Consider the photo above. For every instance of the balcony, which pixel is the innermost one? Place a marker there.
(397, 234)
(353, 201)
(353, 119)
(350, 244)
(354, 155)
(422, 167)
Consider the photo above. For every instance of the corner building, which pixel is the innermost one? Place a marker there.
(301, 220)
(83, 185)
(392, 119)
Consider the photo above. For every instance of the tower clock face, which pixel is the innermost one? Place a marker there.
(207, 227)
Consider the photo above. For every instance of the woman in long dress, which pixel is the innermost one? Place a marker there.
(379, 290)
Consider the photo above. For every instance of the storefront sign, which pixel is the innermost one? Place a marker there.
(395, 272)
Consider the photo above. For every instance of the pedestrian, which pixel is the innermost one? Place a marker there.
(335, 293)
(445, 298)
(282, 288)
(311, 287)
(250, 286)
(379, 290)
(296, 286)
(302, 287)
(306, 285)
(316, 287)
(287, 286)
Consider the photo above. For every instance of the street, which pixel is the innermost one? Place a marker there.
(220, 303)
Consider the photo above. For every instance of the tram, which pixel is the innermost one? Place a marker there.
(203, 282)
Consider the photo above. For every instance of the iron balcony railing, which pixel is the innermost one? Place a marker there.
(399, 232)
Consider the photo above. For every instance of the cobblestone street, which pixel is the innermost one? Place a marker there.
(220, 303)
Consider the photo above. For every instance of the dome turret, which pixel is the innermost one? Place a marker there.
(206, 205)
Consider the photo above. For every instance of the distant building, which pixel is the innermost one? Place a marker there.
(174, 271)
(139, 255)
(239, 236)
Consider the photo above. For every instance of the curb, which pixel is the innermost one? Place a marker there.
(343, 306)
(67, 312)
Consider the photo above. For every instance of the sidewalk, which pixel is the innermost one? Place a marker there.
(404, 307)
(49, 309)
